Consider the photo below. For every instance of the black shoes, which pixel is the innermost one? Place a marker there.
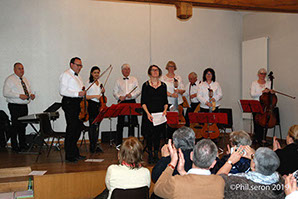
(71, 160)
(75, 160)
(80, 157)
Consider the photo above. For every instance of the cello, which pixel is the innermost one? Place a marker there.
(268, 101)
(179, 108)
(210, 130)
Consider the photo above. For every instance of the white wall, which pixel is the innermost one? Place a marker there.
(44, 35)
(282, 31)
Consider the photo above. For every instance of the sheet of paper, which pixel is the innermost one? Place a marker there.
(94, 160)
(158, 118)
(37, 173)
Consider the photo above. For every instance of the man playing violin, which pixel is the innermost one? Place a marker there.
(125, 92)
(71, 85)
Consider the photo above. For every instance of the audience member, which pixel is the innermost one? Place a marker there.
(198, 182)
(237, 139)
(184, 139)
(291, 187)
(129, 173)
(288, 156)
(262, 182)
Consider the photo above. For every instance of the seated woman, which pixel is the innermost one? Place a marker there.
(261, 182)
(289, 155)
(129, 173)
(237, 139)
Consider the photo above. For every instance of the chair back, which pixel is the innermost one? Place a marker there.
(228, 111)
(45, 125)
(136, 193)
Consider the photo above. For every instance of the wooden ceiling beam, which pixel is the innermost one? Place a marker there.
(287, 6)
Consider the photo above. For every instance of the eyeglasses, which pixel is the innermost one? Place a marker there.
(263, 73)
(79, 65)
(154, 69)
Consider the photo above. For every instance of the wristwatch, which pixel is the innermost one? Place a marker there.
(230, 162)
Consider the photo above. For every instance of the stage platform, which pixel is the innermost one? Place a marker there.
(64, 180)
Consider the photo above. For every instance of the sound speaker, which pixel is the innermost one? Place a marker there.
(106, 136)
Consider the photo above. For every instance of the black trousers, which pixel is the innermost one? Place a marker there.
(259, 131)
(18, 128)
(131, 121)
(93, 110)
(191, 109)
(71, 108)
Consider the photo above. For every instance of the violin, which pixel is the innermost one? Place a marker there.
(84, 115)
(210, 130)
(103, 100)
(268, 101)
(179, 108)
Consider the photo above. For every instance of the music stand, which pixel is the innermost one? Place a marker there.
(129, 109)
(220, 118)
(109, 112)
(251, 106)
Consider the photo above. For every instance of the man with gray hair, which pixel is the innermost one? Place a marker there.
(184, 139)
(126, 90)
(191, 94)
(18, 94)
(261, 182)
(198, 182)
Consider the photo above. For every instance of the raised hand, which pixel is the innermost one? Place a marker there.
(181, 163)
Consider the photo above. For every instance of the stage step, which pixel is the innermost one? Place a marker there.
(14, 179)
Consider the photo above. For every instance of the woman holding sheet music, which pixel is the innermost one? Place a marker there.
(153, 100)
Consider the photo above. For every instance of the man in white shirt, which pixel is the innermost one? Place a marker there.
(191, 91)
(18, 94)
(124, 93)
(71, 85)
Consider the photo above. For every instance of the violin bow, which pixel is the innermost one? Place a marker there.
(110, 67)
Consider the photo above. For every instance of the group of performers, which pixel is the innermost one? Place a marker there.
(158, 94)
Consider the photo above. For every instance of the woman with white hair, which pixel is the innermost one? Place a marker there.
(237, 139)
(257, 88)
(261, 182)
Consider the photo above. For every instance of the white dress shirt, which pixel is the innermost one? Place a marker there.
(170, 87)
(70, 84)
(198, 171)
(12, 89)
(203, 93)
(94, 90)
(190, 90)
(123, 87)
(120, 176)
(256, 89)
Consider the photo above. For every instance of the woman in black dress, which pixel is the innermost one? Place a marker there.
(154, 99)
